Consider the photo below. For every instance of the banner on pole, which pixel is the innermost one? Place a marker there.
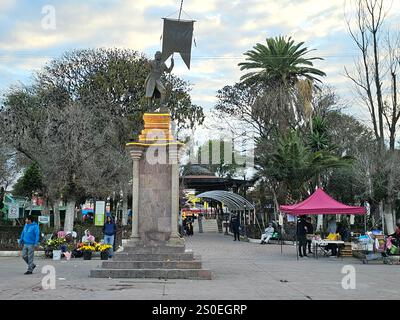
(177, 37)
(99, 213)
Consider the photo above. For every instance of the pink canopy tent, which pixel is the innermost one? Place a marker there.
(320, 203)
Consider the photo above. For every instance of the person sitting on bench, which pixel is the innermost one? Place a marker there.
(268, 232)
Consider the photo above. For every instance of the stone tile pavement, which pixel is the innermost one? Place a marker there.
(241, 270)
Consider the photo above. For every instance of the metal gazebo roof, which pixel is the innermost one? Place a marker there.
(232, 200)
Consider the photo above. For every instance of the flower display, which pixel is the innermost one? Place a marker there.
(87, 248)
(103, 247)
(55, 244)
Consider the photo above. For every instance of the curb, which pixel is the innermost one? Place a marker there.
(18, 253)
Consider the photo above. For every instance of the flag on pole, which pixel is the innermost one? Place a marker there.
(177, 37)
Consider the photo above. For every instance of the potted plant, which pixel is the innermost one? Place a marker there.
(87, 250)
(104, 248)
(55, 245)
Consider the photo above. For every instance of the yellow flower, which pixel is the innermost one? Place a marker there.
(87, 248)
(104, 247)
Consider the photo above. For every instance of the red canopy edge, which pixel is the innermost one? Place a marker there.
(321, 203)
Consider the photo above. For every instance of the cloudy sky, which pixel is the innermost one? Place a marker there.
(224, 30)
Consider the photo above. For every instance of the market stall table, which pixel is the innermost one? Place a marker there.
(322, 244)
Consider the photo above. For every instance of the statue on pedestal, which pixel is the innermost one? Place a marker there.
(154, 86)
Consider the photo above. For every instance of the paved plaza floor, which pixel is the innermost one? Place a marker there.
(242, 271)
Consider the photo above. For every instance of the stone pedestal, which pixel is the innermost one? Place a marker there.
(155, 249)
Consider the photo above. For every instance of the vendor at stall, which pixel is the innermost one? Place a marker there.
(302, 236)
(310, 231)
(396, 235)
(332, 227)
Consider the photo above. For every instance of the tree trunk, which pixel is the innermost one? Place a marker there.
(69, 216)
(320, 222)
(392, 128)
(389, 222)
(56, 213)
(381, 215)
(125, 211)
(276, 210)
(45, 211)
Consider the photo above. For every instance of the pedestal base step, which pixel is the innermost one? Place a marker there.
(154, 249)
(123, 256)
(194, 274)
(151, 265)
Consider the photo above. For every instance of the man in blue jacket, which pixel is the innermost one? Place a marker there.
(109, 230)
(29, 239)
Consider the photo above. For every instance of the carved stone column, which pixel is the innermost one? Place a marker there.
(136, 154)
(174, 161)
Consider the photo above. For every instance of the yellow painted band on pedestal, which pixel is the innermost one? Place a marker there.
(154, 144)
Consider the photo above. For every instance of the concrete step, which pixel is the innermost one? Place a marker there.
(151, 265)
(210, 225)
(194, 274)
(123, 256)
(154, 249)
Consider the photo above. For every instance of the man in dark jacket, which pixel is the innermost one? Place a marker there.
(29, 239)
(302, 236)
(310, 230)
(235, 223)
(109, 230)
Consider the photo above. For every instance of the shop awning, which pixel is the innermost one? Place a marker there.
(320, 203)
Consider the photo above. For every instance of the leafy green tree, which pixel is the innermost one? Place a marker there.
(325, 154)
(290, 165)
(76, 118)
(296, 163)
(30, 182)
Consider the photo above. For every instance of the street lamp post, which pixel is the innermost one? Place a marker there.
(226, 223)
(245, 221)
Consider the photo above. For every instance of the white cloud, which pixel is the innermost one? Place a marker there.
(6, 5)
(224, 30)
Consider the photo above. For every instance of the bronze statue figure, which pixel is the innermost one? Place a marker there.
(154, 86)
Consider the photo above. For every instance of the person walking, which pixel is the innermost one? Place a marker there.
(310, 230)
(109, 230)
(235, 223)
(29, 239)
(302, 236)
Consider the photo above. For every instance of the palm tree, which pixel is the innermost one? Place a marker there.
(324, 152)
(280, 61)
(290, 165)
(295, 164)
